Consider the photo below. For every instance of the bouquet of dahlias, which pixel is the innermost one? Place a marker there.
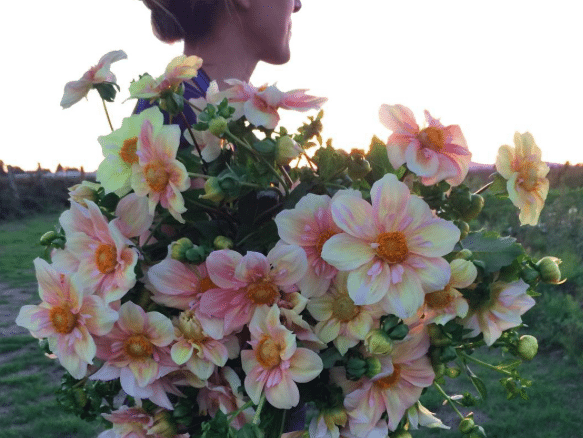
(238, 287)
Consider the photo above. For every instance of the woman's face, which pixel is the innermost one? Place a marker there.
(271, 28)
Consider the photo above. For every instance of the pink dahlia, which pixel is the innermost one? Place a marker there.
(507, 302)
(96, 254)
(137, 349)
(246, 282)
(276, 364)
(393, 249)
(67, 317)
(309, 225)
(434, 153)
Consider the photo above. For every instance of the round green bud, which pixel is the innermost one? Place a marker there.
(436, 336)
(439, 370)
(464, 228)
(48, 237)
(474, 208)
(218, 126)
(196, 254)
(399, 332)
(464, 254)
(286, 150)
(452, 372)
(549, 270)
(223, 242)
(212, 190)
(373, 366)
(358, 166)
(378, 342)
(178, 249)
(527, 347)
(467, 424)
(164, 425)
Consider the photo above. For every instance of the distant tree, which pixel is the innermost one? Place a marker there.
(2, 170)
(59, 169)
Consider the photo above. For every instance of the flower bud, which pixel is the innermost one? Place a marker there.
(437, 337)
(286, 150)
(439, 370)
(212, 190)
(373, 366)
(477, 432)
(178, 249)
(223, 242)
(355, 368)
(549, 270)
(467, 424)
(464, 254)
(527, 347)
(464, 228)
(358, 166)
(378, 342)
(86, 191)
(218, 126)
(399, 332)
(452, 372)
(265, 147)
(474, 207)
(163, 425)
(529, 274)
(196, 254)
(335, 416)
(390, 322)
(230, 185)
(47, 238)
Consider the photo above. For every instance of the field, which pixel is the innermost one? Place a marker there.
(28, 378)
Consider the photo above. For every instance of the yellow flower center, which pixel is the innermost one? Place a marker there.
(63, 320)
(138, 347)
(205, 284)
(190, 326)
(343, 308)
(439, 299)
(432, 138)
(128, 151)
(389, 381)
(268, 352)
(528, 179)
(157, 176)
(262, 292)
(106, 258)
(324, 236)
(392, 247)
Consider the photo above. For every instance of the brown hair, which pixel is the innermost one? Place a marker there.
(176, 20)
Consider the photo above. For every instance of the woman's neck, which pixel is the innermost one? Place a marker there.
(225, 55)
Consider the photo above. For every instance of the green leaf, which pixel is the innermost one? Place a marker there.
(499, 186)
(495, 251)
(330, 162)
(478, 383)
(250, 430)
(378, 159)
(509, 366)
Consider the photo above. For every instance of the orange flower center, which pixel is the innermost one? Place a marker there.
(343, 309)
(389, 381)
(63, 320)
(528, 179)
(138, 347)
(262, 292)
(205, 284)
(392, 247)
(438, 299)
(268, 352)
(106, 258)
(432, 138)
(324, 236)
(157, 176)
(128, 151)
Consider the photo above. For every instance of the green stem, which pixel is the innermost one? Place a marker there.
(204, 163)
(448, 398)
(246, 145)
(484, 188)
(198, 175)
(484, 364)
(234, 414)
(194, 106)
(471, 345)
(257, 415)
(156, 228)
(107, 114)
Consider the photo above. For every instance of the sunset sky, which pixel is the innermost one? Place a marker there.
(491, 67)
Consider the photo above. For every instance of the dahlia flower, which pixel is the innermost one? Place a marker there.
(434, 153)
(309, 225)
(97, 254)
(247, 282)
(158, 174)
(136, 350)
(404, 374)
(276, 364)
(339, 319)
(507, 302)
(120, 151)
(525, 173)
(419, 415)
(444, 305)
(210, 145)
(100, 73)
(67, 317)
(393, 249)
(260, 105)
(180, 69)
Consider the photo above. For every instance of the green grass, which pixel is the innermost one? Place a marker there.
(19, 246)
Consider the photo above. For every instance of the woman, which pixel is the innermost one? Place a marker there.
(231, 37)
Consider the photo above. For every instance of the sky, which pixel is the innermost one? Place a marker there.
(493, 68)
